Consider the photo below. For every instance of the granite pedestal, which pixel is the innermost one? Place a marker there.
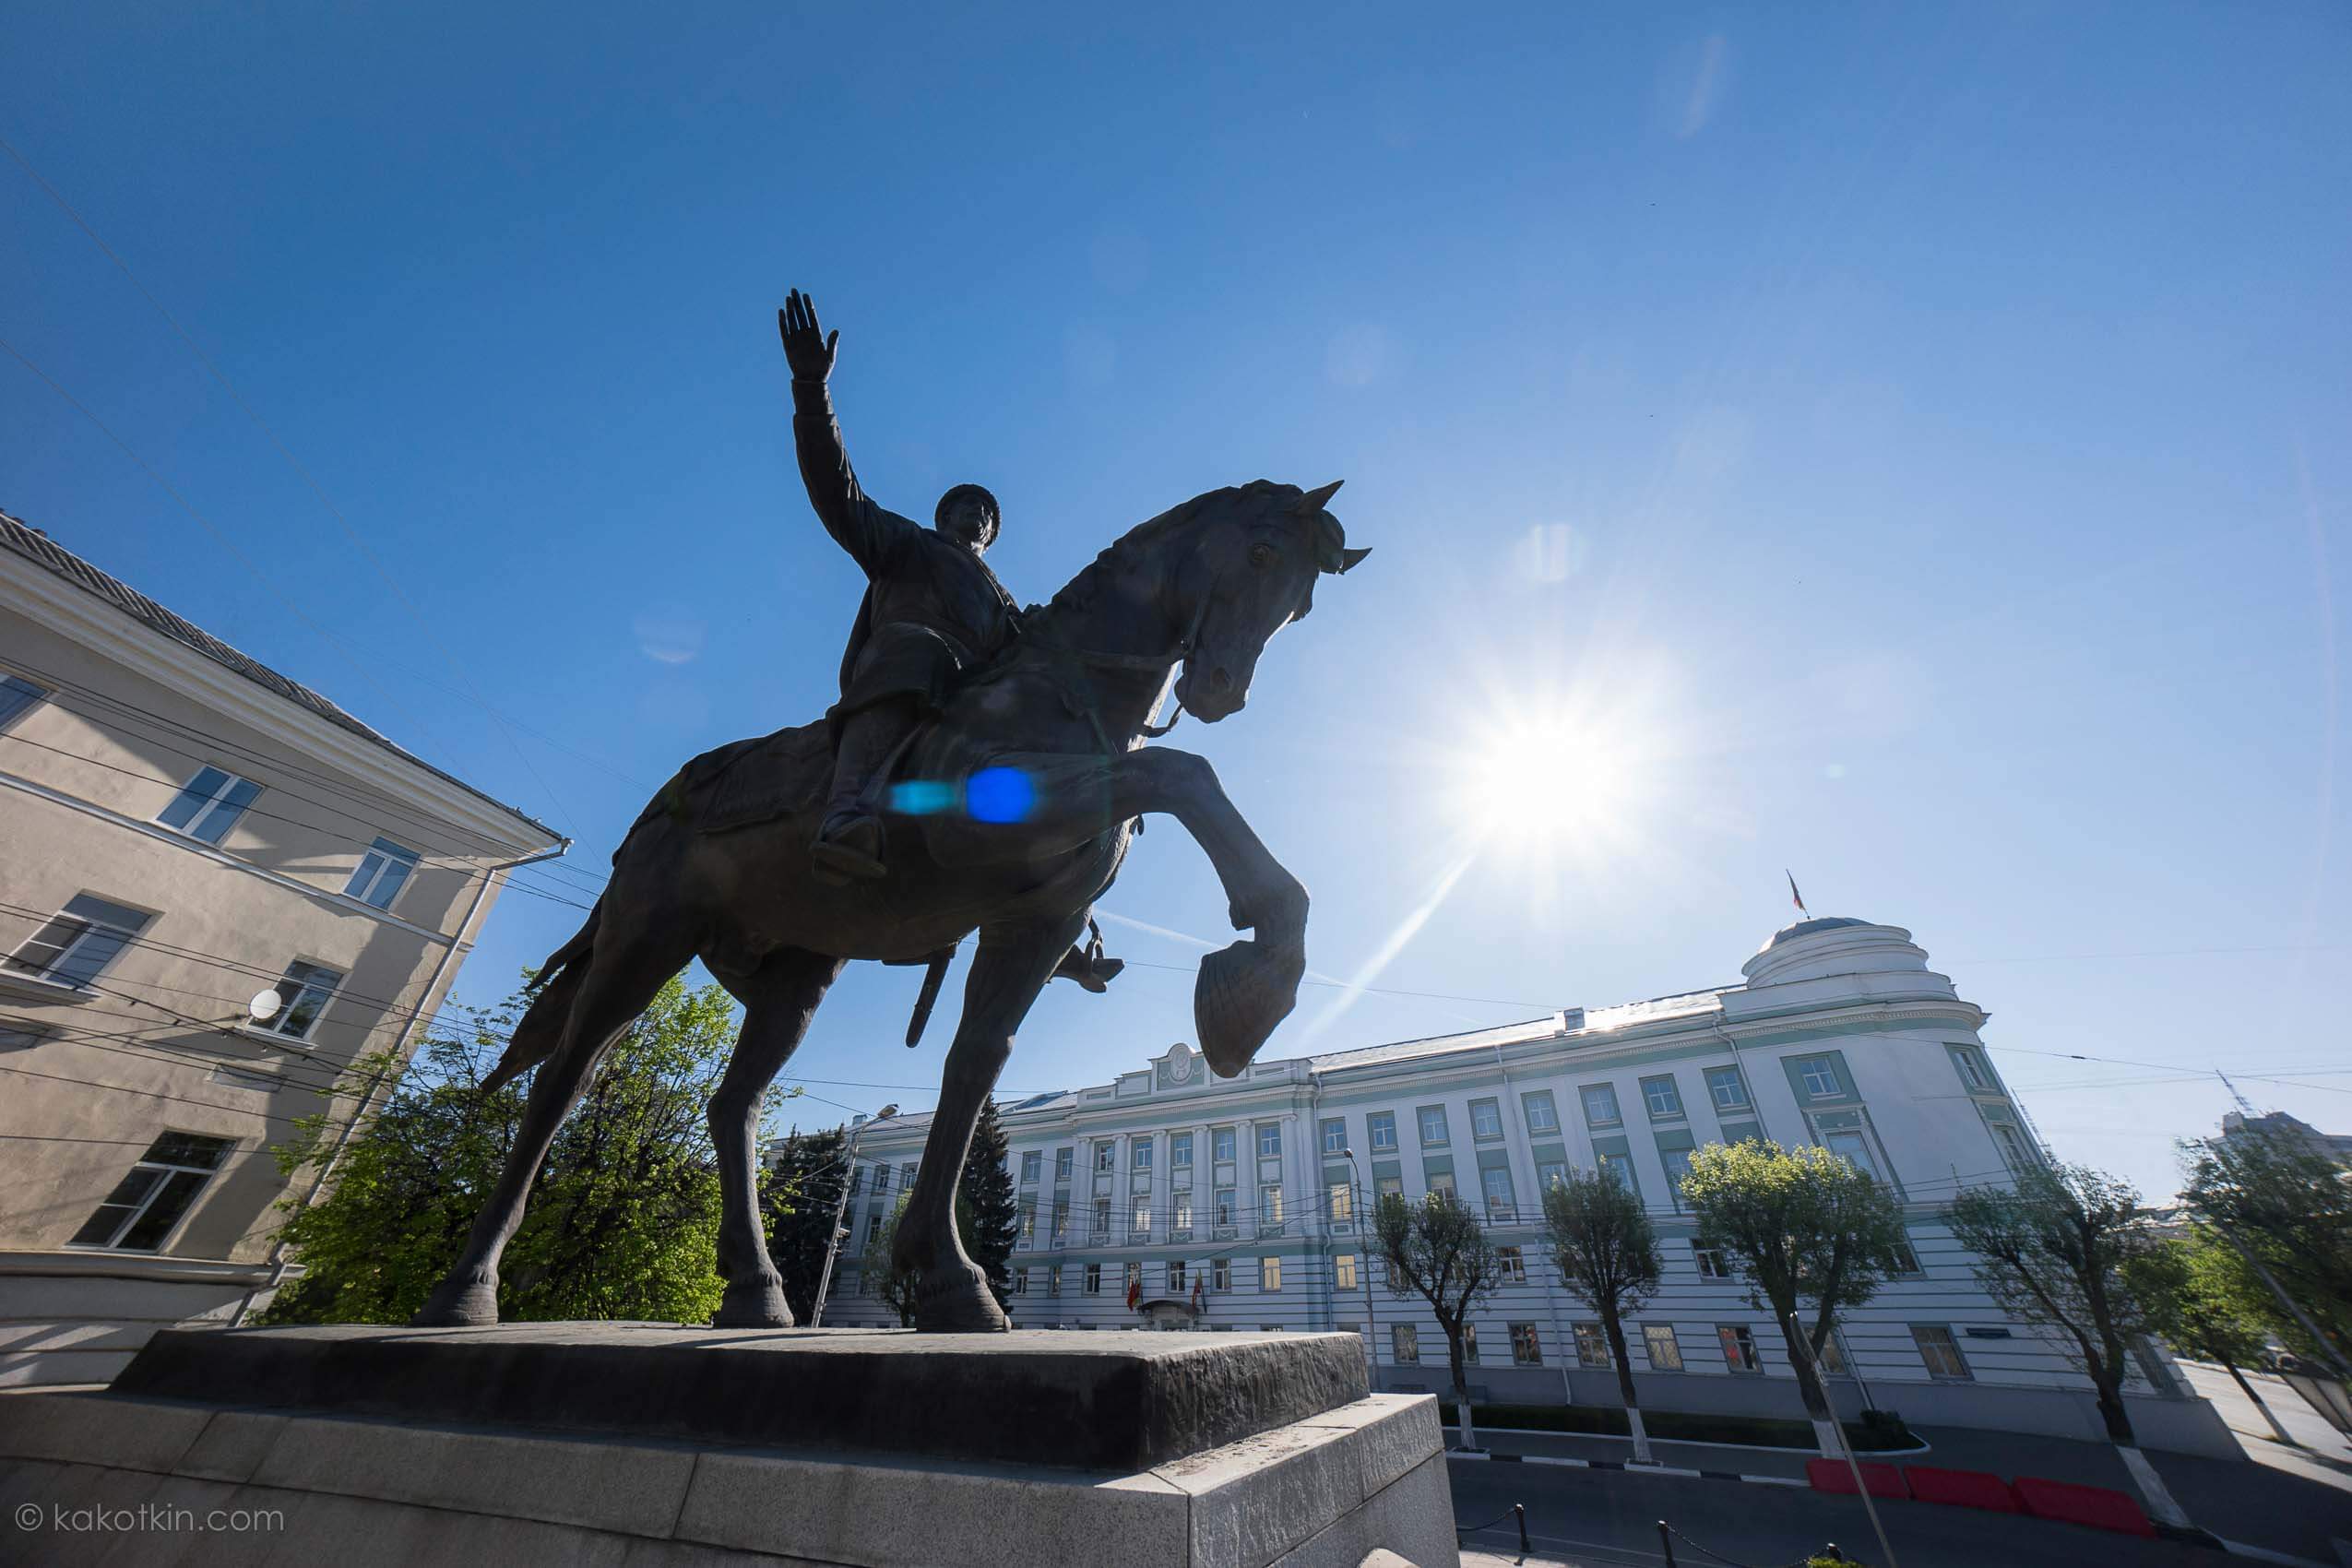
(655, 1446)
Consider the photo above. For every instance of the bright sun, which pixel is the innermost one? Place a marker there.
(1549, 779)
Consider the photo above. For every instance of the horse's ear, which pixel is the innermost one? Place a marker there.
(1315, 501)
(1351, 559)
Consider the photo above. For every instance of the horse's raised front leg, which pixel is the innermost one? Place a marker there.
(1009, 970)
(1244, 990)
(778, 1002)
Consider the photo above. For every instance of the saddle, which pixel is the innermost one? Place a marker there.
(744, 783)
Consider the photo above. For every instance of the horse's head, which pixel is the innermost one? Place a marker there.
(1256, 553)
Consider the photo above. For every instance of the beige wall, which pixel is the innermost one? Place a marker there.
(83, 775)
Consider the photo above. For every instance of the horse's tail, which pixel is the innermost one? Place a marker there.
(555, 984)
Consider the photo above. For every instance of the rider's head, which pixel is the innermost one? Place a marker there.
(968, 515)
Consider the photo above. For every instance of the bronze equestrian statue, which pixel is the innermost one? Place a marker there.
(1007, 814)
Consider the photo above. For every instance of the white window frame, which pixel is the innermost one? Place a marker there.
(1656, 1336)
(28, 694)
(1269, 1140)
(1711, 1262)
(1958, 1371)
(1032, 1165)
(1592, 1344)
(1334, 1134)
(92, 926)
(1180, 1151)
(1503, 1205)
(1340, 1199)
(1809, 1069)
(1492, 1110)
(1721, 1078)
(1422, 1117)
(1376, 1124)
(1527, 1344)
(1220, 1275)
(1616, 1115)
(1672, 1108)
(304, 982)
(1542, 1110)
(158, 1163)
(1091, 1282)
(373, 880)
(1513, 1261)
(1223, 1145)
(1270, 1273)
(214, 801)
(1738, 1343)
(1404, 1345)
(1343, 1271)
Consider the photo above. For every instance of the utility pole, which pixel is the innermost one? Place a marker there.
(1363, 1233)
(840, 1204)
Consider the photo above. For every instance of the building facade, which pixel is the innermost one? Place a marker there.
(184, 833)
(1236, 1204)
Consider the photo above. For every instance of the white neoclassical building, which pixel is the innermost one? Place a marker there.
(1234, 1204)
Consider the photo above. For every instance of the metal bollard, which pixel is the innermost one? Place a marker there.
(1666, 1543)
(1521, 1509)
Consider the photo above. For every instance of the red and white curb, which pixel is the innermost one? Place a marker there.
(1626, 1465)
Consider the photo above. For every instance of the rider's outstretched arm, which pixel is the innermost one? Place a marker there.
(867, 531)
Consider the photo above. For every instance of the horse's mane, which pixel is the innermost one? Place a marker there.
(1121, 552)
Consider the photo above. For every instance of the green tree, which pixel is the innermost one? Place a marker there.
(623, 1219)
(880, 1275)
(2288, 1209)
(1809, 1232)
(1438, 1249)
(2199, 1296)
(2052, 1249)
(1608, 1256)
(988, 1214)
(799, 1199)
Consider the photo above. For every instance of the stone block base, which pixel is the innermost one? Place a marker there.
(131, 1481)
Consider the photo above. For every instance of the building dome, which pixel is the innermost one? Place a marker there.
(1807, 928)
(1835, 954)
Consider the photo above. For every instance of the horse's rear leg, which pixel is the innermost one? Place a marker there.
(1010, 966)
(779, 1002)
(620, 983)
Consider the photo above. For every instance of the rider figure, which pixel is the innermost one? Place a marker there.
(932, 605)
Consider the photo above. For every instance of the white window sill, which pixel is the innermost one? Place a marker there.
(17, 983)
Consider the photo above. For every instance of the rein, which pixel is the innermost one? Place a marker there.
(1125, 663)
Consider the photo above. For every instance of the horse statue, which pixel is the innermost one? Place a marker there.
(1009, 816)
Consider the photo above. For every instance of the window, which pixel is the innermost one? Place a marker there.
(1972, 1068)
(1139, 1154)
(1486, 1119)
(1471, 1343)
(874, 1229)
(1020, 1282)
(1142, 1225)
(1526, 1345)
(1224, 1206)
(1550, 1173)
(1818, 1076)
(1513, 1263)
(1678, 1166)
(1106, 1155)
(1405, 1344)
(1060, 1218)
(1032, 1165)
(880, 1180)
(907, 1177)
(1663, 1098)
(2013, 1148)
(1388, 1187)
(1664, 1354)
(1600, 1105)
(139, 1216)
(1062, 1160)
(1938, 1350)
(857, 1178)
(1180, 1216)
(1501, 1204)
(1849, 1145)
(1433, 1130)
(1102, 1220)
(302, 997)
(1833, 1356)
(1342, 1201)
(1180, 1150)
(1270, 1204)
(1343, 1272)
(1220, 1275)
(1094, 1279)
(1592, 1345)
(210, 805)
(1334, 1135)
(1710, 1262)
(1028, 1220)
(1619, 1167)
(1901, 1259)
(1220, 1145)
(1543, 1115)
(1380, 1130)
(1726, 1088)
(1175, 1277)
(1054, 1279)
(17, 695)
(78, 942)
(1135, 1276)
(1269, 1140)
(381, 873)
(1441, 1182)
(1738, 1346)
(1269, 1273)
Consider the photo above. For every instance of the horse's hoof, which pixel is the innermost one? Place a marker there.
(1241, 992)
(468, 1303)
(759, 1304)
(958, 1305)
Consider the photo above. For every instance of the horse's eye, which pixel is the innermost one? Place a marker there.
(1261, 556)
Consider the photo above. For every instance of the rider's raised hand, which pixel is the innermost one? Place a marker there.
(807, 347)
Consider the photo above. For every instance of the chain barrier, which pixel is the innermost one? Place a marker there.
(1516, 1511)
(1668, 1535)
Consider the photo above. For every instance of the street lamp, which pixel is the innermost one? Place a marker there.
(1371, 1316)
(841, 1203)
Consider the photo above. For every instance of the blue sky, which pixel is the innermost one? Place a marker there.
(1909, 448)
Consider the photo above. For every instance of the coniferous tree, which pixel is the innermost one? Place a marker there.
(798, 1198)
(988, 1213)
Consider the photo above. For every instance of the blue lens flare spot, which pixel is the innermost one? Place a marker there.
(1000, 794)
(922, 797)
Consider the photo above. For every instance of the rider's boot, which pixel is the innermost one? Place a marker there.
(849, 844)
